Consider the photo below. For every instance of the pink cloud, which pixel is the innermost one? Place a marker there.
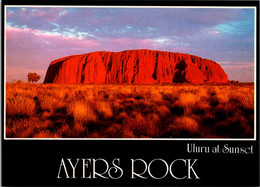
(236, 64)
(130, 41)
(50, 14)
(38, 14)
(13, 33)
(35, 49)
(24, 39)
(9, 14)
(29, 49)
(46, 14)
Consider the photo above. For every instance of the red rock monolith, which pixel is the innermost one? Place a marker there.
(134, 67)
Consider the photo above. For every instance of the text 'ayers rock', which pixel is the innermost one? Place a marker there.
(134, 67)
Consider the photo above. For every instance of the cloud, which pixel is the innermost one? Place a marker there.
(44, 37)
(236, 65)
(34, 18)
(127, 22)
(35, 49)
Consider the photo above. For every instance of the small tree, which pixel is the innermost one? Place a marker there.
(33, 77)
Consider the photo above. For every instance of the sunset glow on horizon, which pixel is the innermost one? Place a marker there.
(35, 36)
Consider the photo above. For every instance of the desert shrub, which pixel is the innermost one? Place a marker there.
(208, 120)
(163, 111)
(202, 92)
(213, 100)
(89, 94)
(155, 95)
(126, 90)
(104, 109)
(44, 125)
(121, 117)
(46, 114)
(60, 93)
(184, 123)
(19, 84)
(187, 101)
(28, 93)
(143, 126)
(113, 131)
(220, 113)
(121, 95)
(201, 108)
(64, 130)
(236, 126)
(20, 106)
(117, 106)
(247, 101)
(14, 126)
(242, 99)
(143, 106)
(46, 134)
(211, 91)
(169, 97)
(222, 95)
(78, 130)
(76, 93)
(95, 135)
(130, 111)
(128, 133)
(27, 133)
(50, 104)
(10, 93)
(222, 129)
(27, 127)
(224, 110)
(81, 111)
(239, 126)
(177, 109)
(10, 132)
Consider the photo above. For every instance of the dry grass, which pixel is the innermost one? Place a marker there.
(187, 123)
(104, 109)
(184, 124)
(82, 112)
(188, 101)
(129, 111)
(20, 106)
(46, 134)
(163, 111)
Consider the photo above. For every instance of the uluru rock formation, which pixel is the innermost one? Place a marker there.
(134, 67)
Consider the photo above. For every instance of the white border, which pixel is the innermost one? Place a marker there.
(142, 139)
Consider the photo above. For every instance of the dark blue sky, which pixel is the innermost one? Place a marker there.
(37, 35)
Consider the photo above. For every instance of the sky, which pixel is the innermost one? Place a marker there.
(35, 36)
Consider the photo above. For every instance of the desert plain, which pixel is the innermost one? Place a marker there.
(36, 110)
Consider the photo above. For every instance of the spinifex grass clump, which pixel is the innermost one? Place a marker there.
(129, 111)
(82, 112)
(20, 106)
